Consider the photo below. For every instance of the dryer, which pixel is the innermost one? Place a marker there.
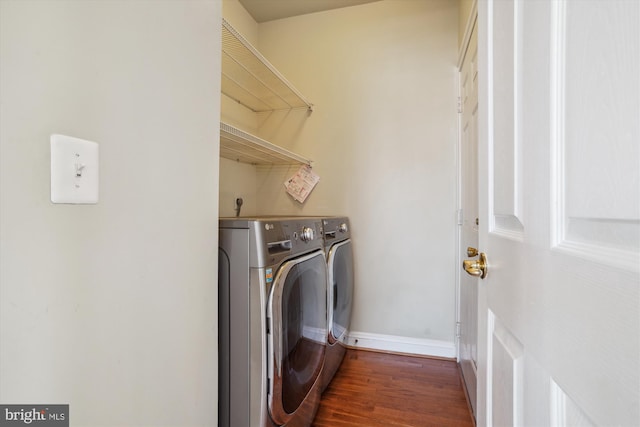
(272, 321)
(339, 253)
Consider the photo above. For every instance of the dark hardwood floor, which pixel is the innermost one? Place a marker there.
(378, 389)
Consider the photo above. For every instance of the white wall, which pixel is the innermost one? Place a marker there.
(112, 307)
(382, 77)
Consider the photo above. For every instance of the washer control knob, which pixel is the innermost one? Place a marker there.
(343, 228)
(307, 234)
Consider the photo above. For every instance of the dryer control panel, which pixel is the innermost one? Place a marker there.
(336, 229)
(278, 238)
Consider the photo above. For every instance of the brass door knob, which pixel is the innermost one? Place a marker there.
(476, 267)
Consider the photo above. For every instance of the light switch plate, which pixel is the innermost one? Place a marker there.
(74, 170)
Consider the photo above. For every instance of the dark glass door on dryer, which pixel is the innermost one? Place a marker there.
(341, 281)
(297, 333)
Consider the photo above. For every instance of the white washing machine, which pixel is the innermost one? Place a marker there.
(272, 321)
(339, 253)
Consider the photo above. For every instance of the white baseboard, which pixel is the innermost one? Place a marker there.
(397, 344)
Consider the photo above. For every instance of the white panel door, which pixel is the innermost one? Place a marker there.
(559, 204)
(468, 306)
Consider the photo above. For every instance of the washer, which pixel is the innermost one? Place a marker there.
(272, 319)
(339, 253)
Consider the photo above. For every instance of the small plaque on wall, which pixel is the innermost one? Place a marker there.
(300, 185)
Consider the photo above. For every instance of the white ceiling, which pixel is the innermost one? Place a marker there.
(269, 10)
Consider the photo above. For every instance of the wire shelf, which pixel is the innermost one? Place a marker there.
(251, 80)
(244, 147)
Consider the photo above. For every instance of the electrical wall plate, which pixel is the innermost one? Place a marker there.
(74, 170)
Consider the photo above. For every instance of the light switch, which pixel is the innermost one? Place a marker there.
(74, 170)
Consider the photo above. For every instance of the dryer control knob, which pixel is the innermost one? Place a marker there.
(307, 234)
(343, 228)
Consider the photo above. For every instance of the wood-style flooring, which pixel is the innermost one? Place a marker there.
(378, 389)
